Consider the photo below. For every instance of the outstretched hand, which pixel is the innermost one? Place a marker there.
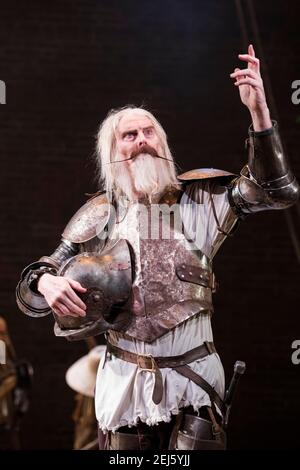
(251, 88)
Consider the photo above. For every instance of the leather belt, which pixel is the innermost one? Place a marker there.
(179, 363)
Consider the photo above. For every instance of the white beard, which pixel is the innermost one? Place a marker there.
(145, 175)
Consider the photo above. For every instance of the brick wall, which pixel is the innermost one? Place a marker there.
(65, 64)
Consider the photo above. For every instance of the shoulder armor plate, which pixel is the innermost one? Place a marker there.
(203, 173)
(89, 220)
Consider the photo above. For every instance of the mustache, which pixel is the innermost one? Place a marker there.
(145, 148)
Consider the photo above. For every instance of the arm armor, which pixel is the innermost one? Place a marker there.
(267, 182)
(29, 300)
(88, 221)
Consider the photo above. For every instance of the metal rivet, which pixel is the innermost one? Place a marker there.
(190, 273)
(182, 275)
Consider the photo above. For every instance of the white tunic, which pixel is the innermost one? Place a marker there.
(124, 391)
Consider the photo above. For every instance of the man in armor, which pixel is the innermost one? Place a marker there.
(135, 262)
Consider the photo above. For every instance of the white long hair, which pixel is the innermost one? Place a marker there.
(110, 177)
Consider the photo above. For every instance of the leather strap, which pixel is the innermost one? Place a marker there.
(178, 363)
(187, 372)
(228, 234)
(196, 275)
(173, 438)
(146, 361)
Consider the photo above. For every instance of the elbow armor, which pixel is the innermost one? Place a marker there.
(267, 182)
(88, 221)
(29, 300)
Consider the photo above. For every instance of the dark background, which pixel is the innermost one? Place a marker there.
(65, 64)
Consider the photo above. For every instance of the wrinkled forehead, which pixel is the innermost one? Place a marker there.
(133, 122)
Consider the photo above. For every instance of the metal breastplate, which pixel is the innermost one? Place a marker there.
(172, 281)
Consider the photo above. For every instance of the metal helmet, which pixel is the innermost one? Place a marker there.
(108, 280)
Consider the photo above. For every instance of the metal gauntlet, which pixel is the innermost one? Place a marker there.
(29, 300)
(267, 182)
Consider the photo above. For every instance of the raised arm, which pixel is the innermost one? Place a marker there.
(267, 181)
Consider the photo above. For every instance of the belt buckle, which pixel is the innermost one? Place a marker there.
(149, 356)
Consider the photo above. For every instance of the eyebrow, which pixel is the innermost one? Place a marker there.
(132, 131)
(129, 131)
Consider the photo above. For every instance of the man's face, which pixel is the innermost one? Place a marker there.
(133, 132)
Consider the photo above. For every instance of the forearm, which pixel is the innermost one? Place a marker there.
(261, 119)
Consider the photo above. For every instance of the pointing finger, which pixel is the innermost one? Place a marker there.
(251, 50)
